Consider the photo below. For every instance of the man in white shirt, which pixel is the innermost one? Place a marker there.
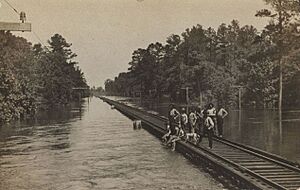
(212, 113)
(209, 125)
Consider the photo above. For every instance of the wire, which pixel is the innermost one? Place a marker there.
(12, 7)
(39, 39)
(35, 34)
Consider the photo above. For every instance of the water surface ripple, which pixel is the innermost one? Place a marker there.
(93, 149)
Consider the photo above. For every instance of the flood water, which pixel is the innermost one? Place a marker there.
(262, 129)
(92, 149)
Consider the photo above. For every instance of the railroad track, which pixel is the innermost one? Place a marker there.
(259, 168)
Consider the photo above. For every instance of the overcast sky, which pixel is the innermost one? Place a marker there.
(104, 33)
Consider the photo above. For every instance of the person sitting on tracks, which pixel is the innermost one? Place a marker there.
(192, 122)
(173, 115)
(174, 122)
(175, 135)
(209, 125)
(167, 136)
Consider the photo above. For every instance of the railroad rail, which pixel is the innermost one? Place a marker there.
(240, 165)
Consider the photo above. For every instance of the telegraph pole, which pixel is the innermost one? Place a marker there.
(240, 95)
(15, 26)
(187, 97)
(187, 93)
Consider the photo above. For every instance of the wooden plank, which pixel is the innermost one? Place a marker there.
(249, 161)
(268, 173)
(288, 179)
(232, 154)
(283, 175)
(256, 164)
(237, 155)
(291, 181)
(271, 167)
(15, 26)
(292, 186)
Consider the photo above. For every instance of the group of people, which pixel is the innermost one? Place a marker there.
(194, 125)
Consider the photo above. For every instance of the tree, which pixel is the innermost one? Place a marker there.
(17, 79)
(171, 65)
(29, 74)
(213, 62)
(283, 24)
(58, 72)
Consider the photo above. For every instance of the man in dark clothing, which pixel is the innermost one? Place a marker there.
(173, 115)
(174, 121)
(222, 113)
(199, 125)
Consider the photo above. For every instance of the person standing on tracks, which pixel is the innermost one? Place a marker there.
(222, 113)
(211, 111)
(180, 123)
(209, 125)
(184, 121)
(192, 122)
(199, 123)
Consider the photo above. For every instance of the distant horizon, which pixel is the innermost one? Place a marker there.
(105, 33)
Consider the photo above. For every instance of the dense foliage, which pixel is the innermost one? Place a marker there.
(215, 62)
(31, 75)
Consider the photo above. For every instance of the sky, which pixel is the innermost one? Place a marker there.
(104, 33)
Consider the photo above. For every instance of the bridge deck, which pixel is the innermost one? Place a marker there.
(245, 166)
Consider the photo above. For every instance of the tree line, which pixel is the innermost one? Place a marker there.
(215, 62)
(33, 75)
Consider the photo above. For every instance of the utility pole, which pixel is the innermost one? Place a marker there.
(240, 95)
(187, 97)
(186, 93)
(14, 26)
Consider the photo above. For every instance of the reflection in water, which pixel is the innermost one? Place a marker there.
(266, 130)
(280, 125)
(58, 150)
